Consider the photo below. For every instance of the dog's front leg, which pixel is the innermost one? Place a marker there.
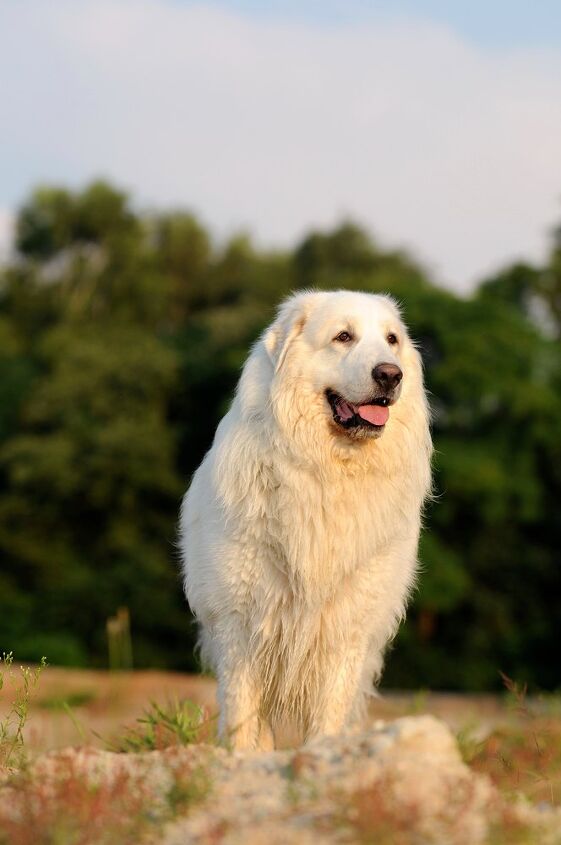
(240, 723)
(238, 701)
(343, 679)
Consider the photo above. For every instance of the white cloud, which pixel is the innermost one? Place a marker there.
(433, 143)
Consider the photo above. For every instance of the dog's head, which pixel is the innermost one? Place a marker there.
(341, 357)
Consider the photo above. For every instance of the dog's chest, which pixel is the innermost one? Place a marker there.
(315, 532)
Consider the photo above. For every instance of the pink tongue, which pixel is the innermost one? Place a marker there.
(375, 414)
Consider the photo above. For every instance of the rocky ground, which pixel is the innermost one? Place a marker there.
(429, 768)
(402, 782)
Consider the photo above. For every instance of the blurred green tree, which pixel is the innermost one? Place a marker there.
(121, 339)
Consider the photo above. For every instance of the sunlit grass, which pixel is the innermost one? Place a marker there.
(521, 755)
(63, 804)
(161, 726)
(16, 688)
(77, 698)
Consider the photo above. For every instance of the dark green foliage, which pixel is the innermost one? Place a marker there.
(121, 340)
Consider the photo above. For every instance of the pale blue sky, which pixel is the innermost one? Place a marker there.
(488, 23)
(435, 124)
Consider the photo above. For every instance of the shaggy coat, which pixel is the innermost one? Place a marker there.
(299, 532)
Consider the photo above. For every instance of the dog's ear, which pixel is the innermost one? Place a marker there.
(290, 320)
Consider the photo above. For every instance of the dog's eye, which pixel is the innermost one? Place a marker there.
(344, 337)
(391, 338)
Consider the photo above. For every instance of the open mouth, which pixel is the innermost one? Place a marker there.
(372, 415)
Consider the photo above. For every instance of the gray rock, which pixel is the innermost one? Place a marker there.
(399, 782)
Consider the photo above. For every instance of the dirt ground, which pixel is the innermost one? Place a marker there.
(497, 771)
(75, 707)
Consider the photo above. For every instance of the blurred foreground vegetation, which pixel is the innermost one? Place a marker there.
(121, 339)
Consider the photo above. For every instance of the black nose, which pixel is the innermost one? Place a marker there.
(387, 376)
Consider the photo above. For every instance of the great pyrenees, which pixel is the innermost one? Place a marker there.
(299, 532)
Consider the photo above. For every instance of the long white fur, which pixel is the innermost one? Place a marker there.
(299, 543)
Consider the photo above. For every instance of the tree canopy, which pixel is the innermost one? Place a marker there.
(122, 335)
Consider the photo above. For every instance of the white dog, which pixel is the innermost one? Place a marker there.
(299, 532)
